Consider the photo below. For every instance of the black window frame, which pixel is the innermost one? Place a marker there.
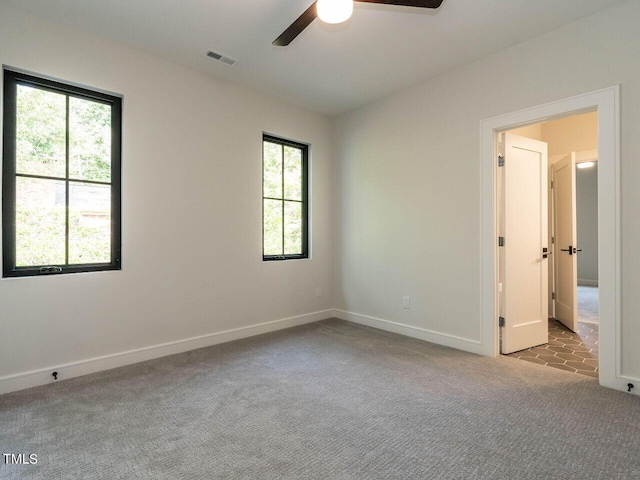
(305, 198)
(12, 79)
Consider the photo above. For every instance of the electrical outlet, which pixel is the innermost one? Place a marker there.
(406, 303)
(318, 292)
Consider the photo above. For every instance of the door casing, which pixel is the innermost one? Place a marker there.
(607, 103)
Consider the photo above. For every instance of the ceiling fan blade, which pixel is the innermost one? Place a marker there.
(296, 27)
(408, 3)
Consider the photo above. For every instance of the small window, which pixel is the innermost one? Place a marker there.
(284, 199)
(61, 178)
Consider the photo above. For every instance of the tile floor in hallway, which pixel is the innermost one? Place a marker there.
(566, 350)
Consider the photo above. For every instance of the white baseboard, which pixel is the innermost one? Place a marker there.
(587, 283)
(43, 376)
(465, 344)
(621, 383)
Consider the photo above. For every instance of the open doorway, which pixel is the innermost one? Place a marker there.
(587, 230)
(607, 103)
(558, 198)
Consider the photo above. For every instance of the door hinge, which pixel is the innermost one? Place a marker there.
(553, 239)
(551, 183)
(501, 241)
(553, 295)
(501, 161)
(501, 321)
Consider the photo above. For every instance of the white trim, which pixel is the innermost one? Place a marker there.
(607, 103)
(452, 341)
(587, 283)
(43, 376)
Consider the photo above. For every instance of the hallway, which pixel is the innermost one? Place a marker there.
(587, 304)
(566, 350)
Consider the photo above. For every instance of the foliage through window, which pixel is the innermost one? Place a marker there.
(61, 177)
(284, 199)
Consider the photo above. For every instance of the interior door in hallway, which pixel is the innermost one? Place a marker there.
(565, 248)
(525, 228)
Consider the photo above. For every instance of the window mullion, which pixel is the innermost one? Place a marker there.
(282, 170)
(67, 186)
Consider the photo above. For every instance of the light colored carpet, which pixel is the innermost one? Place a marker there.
(587, 304)
(329, 400)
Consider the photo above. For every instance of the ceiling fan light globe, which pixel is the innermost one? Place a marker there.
(334, 11)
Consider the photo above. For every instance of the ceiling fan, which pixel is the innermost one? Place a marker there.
(338, 11)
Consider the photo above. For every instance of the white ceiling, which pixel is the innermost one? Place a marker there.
(330, 69)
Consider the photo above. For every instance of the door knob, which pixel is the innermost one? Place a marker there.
(546, 252)
(570, 250)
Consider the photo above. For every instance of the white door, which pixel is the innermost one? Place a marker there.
(564, 247)
(524, 225)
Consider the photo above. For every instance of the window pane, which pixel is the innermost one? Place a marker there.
(272, 227)
(292, 173)
(89, 140)
(40, 132)
(293, 228)
(89, 223)
(40, 222)
(272, 170)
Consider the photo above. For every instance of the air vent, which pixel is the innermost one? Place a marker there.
(221, 57)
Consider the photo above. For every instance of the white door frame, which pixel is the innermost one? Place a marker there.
(607, 104)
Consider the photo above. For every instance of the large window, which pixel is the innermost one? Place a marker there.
(284, 199)
(61, 178)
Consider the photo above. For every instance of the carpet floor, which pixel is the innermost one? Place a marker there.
(587, 304)
(328, 400)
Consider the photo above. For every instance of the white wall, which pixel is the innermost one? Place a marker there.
(408, 179)
(192, 263)
(533, 131)
(577, 133)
